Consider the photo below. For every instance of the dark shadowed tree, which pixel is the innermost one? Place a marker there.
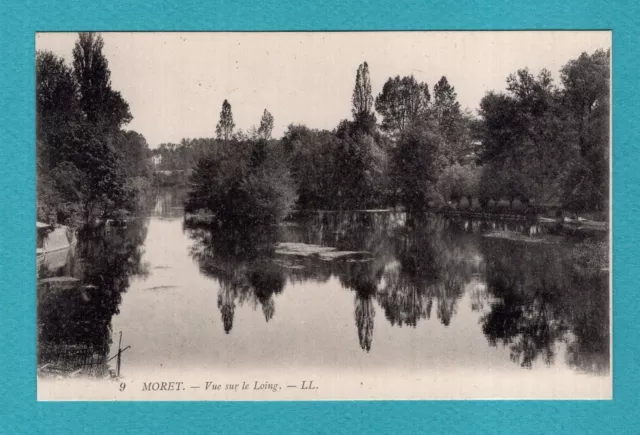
(105, 111)
(445, 104)
(527, 138)
(359, 172)
(447, 113)
(586, 82)
(224, 129)
(311, 156)
(416, 165)
(61, 194)
(87, 167)
(102, 106)
(57, 110)
(360, 161)
(266, 125)
(362, 101)
(133, 153)
(499, 129)
(243, 185)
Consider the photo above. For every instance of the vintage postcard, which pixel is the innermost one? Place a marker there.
(323, 215)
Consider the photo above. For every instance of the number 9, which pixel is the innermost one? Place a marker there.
(122, 386)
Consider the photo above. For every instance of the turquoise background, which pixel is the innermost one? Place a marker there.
(19, 410)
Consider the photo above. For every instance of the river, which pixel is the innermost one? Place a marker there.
(439, 309)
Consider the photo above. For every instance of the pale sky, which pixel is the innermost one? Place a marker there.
(175, 83)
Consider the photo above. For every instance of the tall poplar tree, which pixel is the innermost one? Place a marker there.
(266, 125)
(224, 129)
(451, 122)
(105, 111)
(362, 101)
(103, 107)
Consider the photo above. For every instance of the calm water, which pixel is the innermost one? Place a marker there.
(437, 296)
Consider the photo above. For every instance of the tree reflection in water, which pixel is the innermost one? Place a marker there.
(364, 314)
(529, 296)
(542, 295)
(74, 317)
(363, 278)
(434, 261)
(240, 259)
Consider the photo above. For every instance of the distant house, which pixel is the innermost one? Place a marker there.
(156, 160)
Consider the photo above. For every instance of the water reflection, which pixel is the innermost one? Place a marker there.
(77, 301)
(239, 259)
(363, 278)
(534, 303)
(543, 295)
(435, 262)
(168, 204)
(530, 296)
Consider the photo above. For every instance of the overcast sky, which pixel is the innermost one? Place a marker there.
(175, 82)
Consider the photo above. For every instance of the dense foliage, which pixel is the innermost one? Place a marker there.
(88, 167)
(537, 142)
(541, 143)
(548, 143)
(243, 183)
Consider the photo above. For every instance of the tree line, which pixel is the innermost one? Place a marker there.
(543, 144)
(88, 166)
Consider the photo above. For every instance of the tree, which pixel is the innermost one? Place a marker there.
(105, 111)
(417, 163)
(471, 182)
(460, 181)
(266, 125)
(359, 173)
(586, 82)
(268, 191)
(57, 110)
(87, 166)
(362, 101)
(498, 131)
(243, 186)
(401, 102)
(311, 155)
(527, 139)
(102, 106)
(61, 194)
(224, 129)
(445, 105)
(451, 183)
(133, 152)
(447, 113)
(360, 161)
(113, 163)
(504, 180)
(296, 136)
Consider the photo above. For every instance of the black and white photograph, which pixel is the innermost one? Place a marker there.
(276, 216)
